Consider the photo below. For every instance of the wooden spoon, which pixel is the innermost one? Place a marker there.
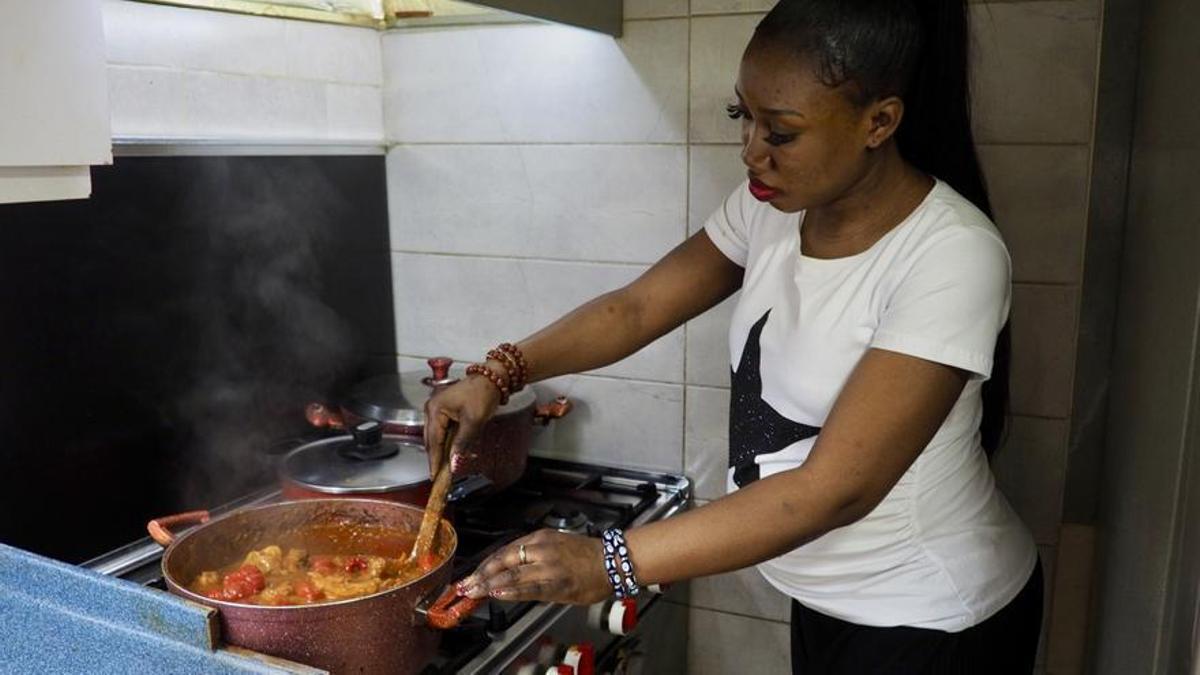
(423, 548)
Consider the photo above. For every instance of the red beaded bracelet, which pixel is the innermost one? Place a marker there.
(515, 380)
(515, 353)
(481, 369)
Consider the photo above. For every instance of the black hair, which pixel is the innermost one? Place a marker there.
(917, 50)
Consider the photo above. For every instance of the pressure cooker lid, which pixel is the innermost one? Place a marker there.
(400, 398)
(365, 462)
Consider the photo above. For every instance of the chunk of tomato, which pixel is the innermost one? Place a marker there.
(356, 564)
(309, 591)
(323, 565)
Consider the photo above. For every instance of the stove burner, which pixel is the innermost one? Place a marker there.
(564, 520)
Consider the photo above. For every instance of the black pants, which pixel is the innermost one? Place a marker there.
(1004, 644)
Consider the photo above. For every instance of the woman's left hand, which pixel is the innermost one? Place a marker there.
(556, 567)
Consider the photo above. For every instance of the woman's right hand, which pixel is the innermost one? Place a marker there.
(469, 403)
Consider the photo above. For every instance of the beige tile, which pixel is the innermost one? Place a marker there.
(1030, 469)
(1048, 555)
(1074, 565)
(743, 592)
(723, 644)
(714, 171)
(616, 203)
(730, 6)
(1039, 196)
(461, 306)
(537, 83)
(706, 440)
(716, 49)
(1043, 345)
(1035, 71)
(655, 9)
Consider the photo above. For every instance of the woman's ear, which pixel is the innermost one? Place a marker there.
(884, 118)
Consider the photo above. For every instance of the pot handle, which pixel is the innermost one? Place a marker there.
(160, 531)
(449, 609)
(545, 412)
(321, 416)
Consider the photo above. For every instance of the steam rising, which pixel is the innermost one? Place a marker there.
(266, 343)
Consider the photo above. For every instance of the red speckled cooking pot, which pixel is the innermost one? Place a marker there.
(380, 633)
(398, 402)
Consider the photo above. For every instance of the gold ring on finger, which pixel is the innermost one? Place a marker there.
(521, 555)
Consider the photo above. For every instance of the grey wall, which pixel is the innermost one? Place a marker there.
(1147, 596)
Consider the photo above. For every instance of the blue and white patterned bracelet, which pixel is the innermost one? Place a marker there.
(620, 575)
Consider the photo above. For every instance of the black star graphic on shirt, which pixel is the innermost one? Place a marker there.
(755, 428)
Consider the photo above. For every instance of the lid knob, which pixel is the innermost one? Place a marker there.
(368, 437)
(440, 366)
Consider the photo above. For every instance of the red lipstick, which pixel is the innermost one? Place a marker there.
(761, 191)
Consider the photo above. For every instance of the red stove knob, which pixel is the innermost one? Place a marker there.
(581, 658)
(618, 617)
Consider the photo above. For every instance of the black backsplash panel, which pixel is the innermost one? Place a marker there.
(158, 342)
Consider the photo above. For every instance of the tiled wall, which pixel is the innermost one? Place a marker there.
(536, 166)
(185, 73)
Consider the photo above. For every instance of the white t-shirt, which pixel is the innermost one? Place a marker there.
(944, 549)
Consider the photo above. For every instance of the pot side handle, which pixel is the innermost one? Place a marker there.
(544, 413)
(449, 609)
(321, 417)
(160, 531)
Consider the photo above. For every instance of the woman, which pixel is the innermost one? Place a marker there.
(874, 287)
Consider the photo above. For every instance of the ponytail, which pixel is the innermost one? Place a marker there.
(918, 50)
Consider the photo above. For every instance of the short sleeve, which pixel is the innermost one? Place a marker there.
(729, 226)
(951, 302)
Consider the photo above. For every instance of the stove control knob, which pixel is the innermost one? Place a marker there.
(527, 669)
(622, 618)
(581, 658)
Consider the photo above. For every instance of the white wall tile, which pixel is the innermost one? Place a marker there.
(617, 422)
(621, 203)
(708, 346)
(722, 644)
(730, 6)
(614, 422)
(706, 441)
(529, 83)
(354, 112)
(716, 50)
(194, 39)
(714, 172)
(462, 306)
(742, 592)
(346, 54)
(147, 102)
(655, 9)
(1035, 71)
(241, 106)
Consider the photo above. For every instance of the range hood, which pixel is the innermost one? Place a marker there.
(599, 15)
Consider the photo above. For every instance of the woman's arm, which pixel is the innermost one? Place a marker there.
(690, 279)
(889, 409)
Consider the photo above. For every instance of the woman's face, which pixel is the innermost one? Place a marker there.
(804, 143)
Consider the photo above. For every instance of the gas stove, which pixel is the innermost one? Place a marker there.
(527, 637)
